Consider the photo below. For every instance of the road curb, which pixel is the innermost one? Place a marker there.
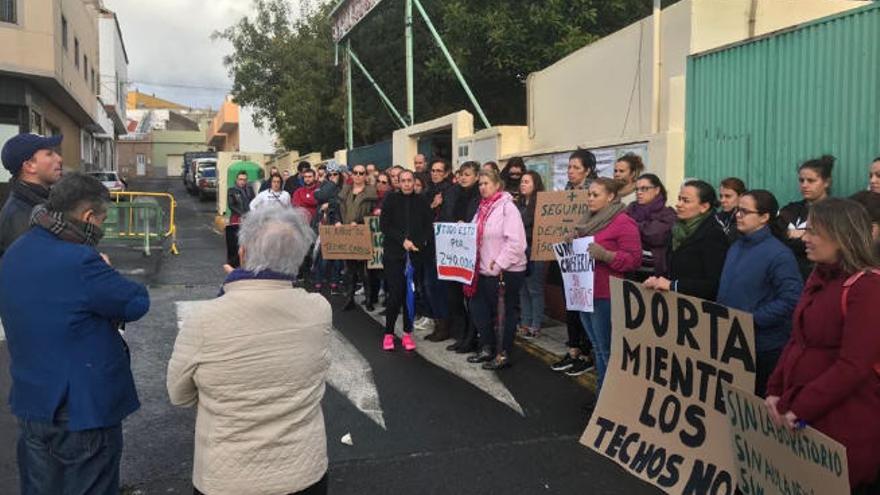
(587, 380)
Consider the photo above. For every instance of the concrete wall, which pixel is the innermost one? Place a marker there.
(114, 65)
(174, 143)
(82, 20)
(601, 95)
(406, 141)
(127, 152)
(251, 138)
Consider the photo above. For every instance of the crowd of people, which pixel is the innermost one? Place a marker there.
(809, 272)
(806, 271)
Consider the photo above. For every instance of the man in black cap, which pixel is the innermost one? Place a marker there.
(35, 166)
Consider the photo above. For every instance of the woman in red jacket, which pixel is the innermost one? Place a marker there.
(826, 375)
(617, 249)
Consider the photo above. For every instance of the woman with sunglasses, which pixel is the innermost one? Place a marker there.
(761, 277)
(356, 201)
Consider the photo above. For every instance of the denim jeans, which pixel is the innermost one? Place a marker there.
(531, 297)
(484, 310)
(598, 327)
(53, 460)
(436, 297)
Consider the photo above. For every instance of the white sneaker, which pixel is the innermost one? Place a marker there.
(359, 292)
(424, 323)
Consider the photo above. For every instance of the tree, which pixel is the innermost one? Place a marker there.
(285, 69)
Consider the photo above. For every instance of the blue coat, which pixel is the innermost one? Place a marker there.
(60, 302)
(761, 277)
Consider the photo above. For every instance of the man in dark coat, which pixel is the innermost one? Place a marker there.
(239, 199)
(35, 165)
(61, 303)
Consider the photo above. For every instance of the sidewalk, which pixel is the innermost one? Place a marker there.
(550, 347)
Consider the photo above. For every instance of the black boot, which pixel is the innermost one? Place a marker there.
(468, 344)
(441, 331)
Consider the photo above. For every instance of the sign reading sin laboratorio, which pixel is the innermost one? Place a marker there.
(578, 273)
(661, 412)
(456, 247)
(772, 460)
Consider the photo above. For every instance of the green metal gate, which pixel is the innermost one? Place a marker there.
(757, 109)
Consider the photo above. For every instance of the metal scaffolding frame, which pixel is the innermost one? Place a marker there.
(351, 58)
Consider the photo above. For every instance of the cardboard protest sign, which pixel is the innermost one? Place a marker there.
(375, 263)
(456, 246)
(346, 242)
(772, 460)
(661, 411)
(556, 214)
(578, 273)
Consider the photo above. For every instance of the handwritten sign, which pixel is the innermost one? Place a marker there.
(661, 411)
(556, 214)
(578, 273)
(772, 460)
(378, 238)
(456, 246)
(346, 242)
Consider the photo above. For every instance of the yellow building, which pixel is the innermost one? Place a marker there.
(49, 75)
(136, 100)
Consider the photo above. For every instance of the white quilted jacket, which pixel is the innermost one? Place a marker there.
(254, 361)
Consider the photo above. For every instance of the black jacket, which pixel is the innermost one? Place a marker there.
(460, 204)
(15, 217)
(440, 188)
(327, 192)
(795, 215)
(695, 267)
(405, 216)
(527, 212)
(239, 200)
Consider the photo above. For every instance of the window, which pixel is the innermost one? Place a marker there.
(141, 159)
(36, 122)
(51, 129)
(94, 88)
(8, 11)
(75, 51)
(86, 67)
(64, 33)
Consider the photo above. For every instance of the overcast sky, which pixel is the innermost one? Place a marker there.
(169, 44)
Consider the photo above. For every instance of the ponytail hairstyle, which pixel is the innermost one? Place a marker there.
(636, 165)
(822, 166)
(656, 182)
(705, 192)
(611, 186)
(766, 204)
(588, 160)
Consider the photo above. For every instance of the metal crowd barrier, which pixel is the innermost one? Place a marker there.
(141, 219)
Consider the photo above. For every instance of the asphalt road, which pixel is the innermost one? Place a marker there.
(449, 428)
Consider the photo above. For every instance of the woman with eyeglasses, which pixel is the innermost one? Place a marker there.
(460, 205)
(273, 197)
(697, 247)
(356, 200)
(729, 193)
(655, 221)
(761, 277)
(814, 177)
(827, 376)
(628, 169)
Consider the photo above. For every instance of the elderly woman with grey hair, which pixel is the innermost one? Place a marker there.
(254, 362)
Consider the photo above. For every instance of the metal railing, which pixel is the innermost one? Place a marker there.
(141, 219)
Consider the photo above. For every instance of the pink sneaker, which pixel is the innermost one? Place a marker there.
(408, 343)
(388, 343)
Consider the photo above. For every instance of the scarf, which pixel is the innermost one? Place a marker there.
(242, 274)
(684, 229)
(33, 194)
(486, 207)
(66, 230)
(641, 213)
(593, 222)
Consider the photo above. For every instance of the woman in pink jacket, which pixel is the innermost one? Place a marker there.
(501, 263)
(617, 249)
